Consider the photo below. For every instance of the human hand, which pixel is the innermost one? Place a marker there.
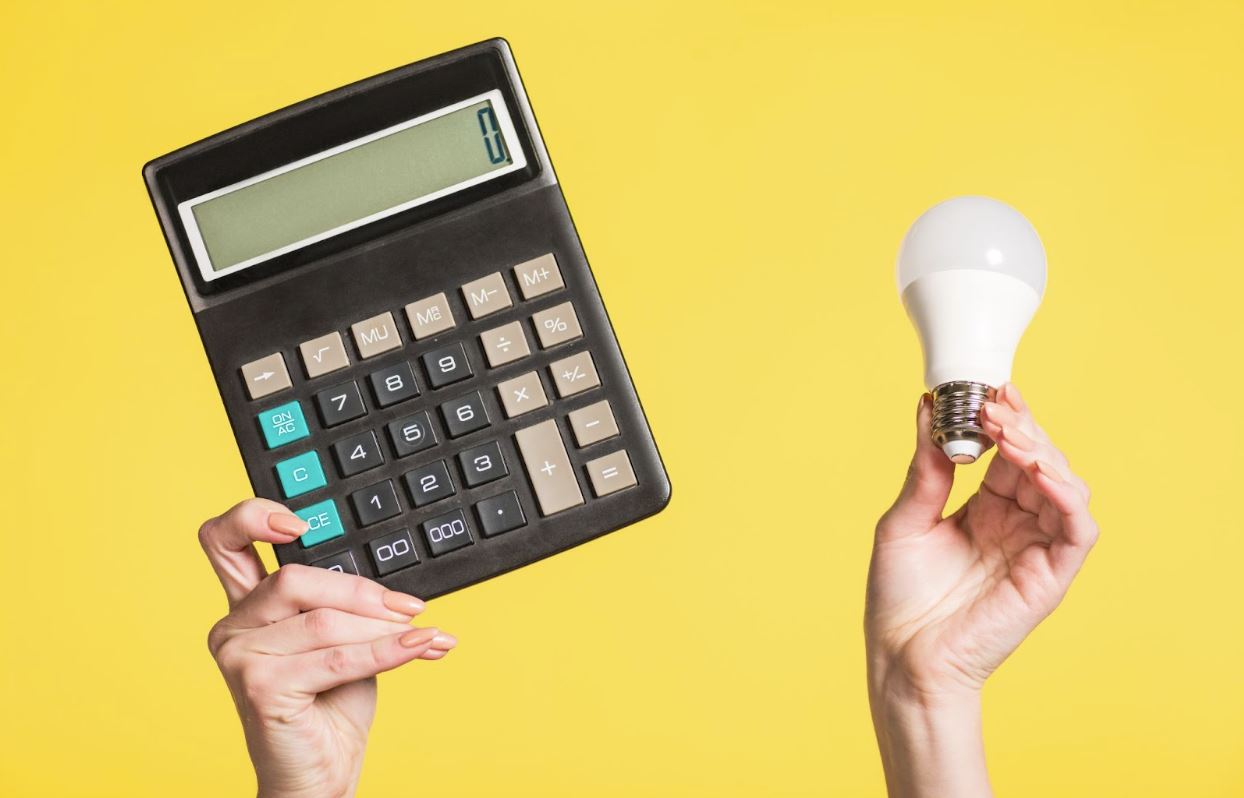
(300, 651)
(950, 598)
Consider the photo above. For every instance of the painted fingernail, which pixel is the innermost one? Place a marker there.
(404, 603)
(1016, 438)
(287, 524)
(418, 637)
(1049, 472)
(444, 640)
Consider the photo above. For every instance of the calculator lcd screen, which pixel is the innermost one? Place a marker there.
(342, 188)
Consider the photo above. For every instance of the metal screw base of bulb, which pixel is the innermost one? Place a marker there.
(956, 416)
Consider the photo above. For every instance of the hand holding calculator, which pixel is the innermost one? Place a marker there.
(402, 324)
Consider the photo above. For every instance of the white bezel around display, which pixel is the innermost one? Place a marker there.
(203, 259)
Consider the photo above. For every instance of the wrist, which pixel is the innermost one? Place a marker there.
(930, 741)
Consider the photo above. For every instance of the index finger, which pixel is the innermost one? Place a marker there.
(298, 588)
(227, 541)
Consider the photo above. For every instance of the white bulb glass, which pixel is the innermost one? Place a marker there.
(971, 273)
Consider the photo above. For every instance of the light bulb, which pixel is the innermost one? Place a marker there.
(971, 273)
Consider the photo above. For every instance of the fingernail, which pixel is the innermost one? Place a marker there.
(1049, 472)
(925, 398)
(444, 640)
(404, 603)
(1016, 438)
(418, 637)
(287, 524)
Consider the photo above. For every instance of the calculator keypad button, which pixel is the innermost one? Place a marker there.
(301, 474)
(482, 464)
(342, 563)
(499, 514)
(429, 483)
(446, 365)
(522, 394)
(574, 374)
(505, 344)
(538, 276)
(486, 295)
(447, 532)
(393, 552)
(557, 325)
(323, 355)
(266, 376)
(412, 434)
(340, 403)
(548, 467)
(375, 503)
(393, 384)
(283, 424)
(357, 453)
(464, 415)
(376, 335)
(611, 473)
(324, 523)
(593, 424)
(430, 316)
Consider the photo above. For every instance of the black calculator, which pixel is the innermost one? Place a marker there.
(404, 329)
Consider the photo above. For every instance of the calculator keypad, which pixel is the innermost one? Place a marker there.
(449, 486)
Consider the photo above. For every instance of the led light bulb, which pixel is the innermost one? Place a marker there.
(971, 272)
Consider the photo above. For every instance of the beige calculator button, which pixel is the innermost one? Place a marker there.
(593, 423)
(522, 394)
(557, 325)
(430, 316)
(505, 344)
(611, 473)
(538, 276)
(376, 335)
(486, 295)
(548, 466)
(265, 376)
(574, 374)
(324, 354)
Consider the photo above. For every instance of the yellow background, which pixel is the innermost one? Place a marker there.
(741, 175)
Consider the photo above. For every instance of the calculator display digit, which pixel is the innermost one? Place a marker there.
(342, 188)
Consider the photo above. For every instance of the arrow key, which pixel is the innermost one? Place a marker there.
(265, 376)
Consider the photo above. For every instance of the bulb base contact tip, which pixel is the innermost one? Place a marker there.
(956, 419)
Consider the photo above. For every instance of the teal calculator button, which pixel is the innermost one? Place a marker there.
(301, 474)
(283, 424)
(324, 521)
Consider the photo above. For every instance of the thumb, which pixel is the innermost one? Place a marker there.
(920, 503)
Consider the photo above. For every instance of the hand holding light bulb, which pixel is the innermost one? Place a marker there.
(950, 597)
(971, 273)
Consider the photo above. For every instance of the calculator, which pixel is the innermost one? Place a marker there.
(411, 348)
